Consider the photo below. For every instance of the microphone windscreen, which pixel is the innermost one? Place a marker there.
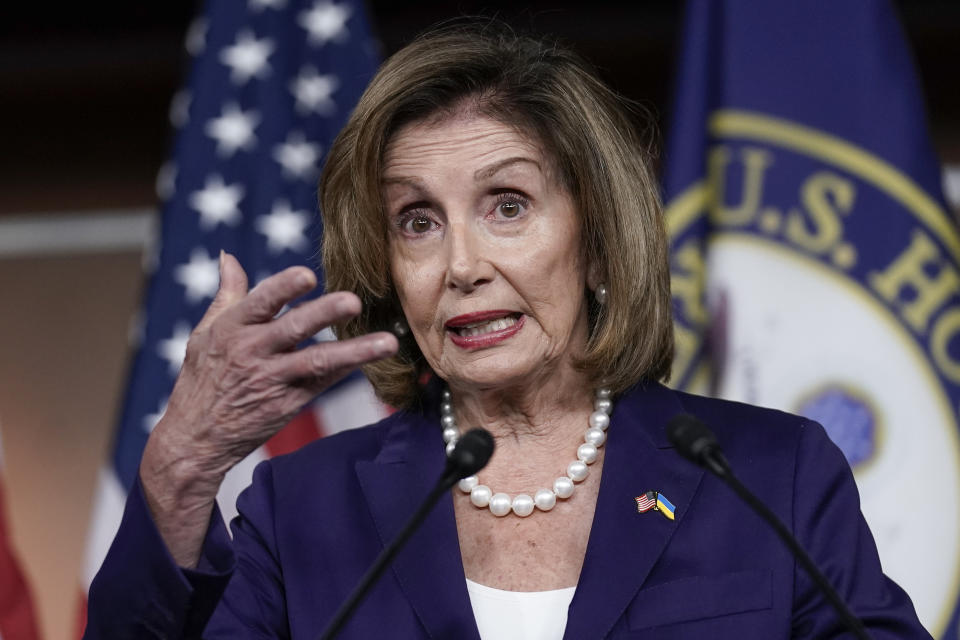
(472, 452)
(691, 437)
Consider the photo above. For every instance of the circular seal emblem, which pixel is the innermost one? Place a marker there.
(813, 277)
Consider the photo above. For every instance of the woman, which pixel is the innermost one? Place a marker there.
(490, 198)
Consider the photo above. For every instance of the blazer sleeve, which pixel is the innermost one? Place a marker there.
(829, 525)
(254, 602)
(140, 592)
(235, 591)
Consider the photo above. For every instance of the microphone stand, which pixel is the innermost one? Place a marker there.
(694, 441)
(722, 471)
(385, 558)
(469, 456)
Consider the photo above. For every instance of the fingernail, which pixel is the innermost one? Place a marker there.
(383, 346)
(344, 305)
(220, 268)
(306, 278)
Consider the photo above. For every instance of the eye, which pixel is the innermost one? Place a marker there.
(416, 224)
(511, 205)
(510, 209)
(420, 224)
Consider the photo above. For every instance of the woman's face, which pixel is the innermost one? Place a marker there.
(484, 252)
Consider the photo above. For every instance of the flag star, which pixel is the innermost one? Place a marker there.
(284, 228)
(325, 335)
(200, 276)
(260, 5)
(247, 57)
(325, 21)
(312, 91)
(217, 203)
(196, 37)
(151, 419)
(174, 348)
(180, 108)
(233, 129)
(297, 156)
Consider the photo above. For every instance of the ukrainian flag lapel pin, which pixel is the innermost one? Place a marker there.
(655, 501)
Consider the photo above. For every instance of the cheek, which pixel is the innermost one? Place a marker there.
(399, 274)
(561, 276)
(414, 284)
(402, 272)
(556, 261)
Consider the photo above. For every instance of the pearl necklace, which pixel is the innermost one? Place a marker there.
(500, 504)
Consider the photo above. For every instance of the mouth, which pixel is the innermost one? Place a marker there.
(483, 328)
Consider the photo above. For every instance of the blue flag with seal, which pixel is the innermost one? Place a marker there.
(814, 264)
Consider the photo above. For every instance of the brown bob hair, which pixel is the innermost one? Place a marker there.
(583, 127)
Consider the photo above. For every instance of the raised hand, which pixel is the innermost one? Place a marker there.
(242, 380)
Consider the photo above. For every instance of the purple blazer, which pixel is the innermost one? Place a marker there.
(313, 521)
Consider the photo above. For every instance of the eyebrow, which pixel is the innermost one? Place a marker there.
(413, 182)
(492, 170)
(479, 174)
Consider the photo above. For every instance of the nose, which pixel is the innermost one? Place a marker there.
(468, 264)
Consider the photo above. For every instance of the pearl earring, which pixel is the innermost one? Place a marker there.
(400, 328)
(601, 294)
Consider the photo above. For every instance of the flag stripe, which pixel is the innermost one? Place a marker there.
(302, 429)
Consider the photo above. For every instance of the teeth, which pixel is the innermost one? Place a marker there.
(487, 327)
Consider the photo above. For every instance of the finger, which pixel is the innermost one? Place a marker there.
(233, 287)
(309, 318)
(329, 361)
(267, 298)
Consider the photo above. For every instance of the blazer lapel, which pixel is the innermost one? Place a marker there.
(624, 545)
(429, 568)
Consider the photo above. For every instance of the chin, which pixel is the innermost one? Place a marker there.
(507, 372)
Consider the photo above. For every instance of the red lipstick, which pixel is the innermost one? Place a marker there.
(477, 317)
(485, 339)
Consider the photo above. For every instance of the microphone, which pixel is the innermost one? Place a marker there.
(695, 442)
(471, 453)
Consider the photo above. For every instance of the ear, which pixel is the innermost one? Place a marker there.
(594, 276)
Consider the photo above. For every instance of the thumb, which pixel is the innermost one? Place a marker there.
(233, 288)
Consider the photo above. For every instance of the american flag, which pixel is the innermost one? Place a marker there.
(646, 501)
(271, 83)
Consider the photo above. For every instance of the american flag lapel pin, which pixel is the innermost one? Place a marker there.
(655, 501)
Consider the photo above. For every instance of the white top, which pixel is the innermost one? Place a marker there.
(519, 615)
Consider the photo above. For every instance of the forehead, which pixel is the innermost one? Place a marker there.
(460, 139)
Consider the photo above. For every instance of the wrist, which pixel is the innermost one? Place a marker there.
(177, 476)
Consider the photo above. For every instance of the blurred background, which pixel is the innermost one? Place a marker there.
(85, 91)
